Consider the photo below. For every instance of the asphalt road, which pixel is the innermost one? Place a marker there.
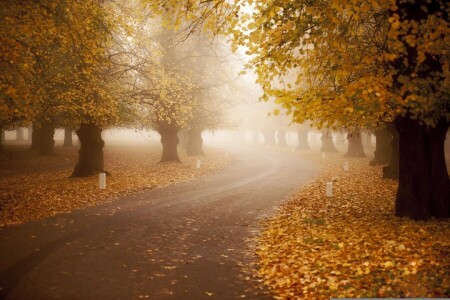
(186, 241)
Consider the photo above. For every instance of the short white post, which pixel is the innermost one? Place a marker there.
(198, 164)
(329, 189)
(102, 181)
(346, 166)
(323, 155)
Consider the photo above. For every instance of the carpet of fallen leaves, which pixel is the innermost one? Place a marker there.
(351, 244)
(33, 187)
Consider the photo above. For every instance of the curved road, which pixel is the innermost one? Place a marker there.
(186, 241)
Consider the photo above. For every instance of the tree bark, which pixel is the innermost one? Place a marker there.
(424, 186)
(47, 143)
(35, 138)
(303, 140)
(355, 146)
(2, 138)
(281, 138)
(269, 137)
(68, 141)
(90, 158)
(169, 141)
(391, 171)
(327, 142)
(195, 142)
(383, 147)
(19, 135)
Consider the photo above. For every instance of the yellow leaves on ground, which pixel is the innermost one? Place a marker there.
(351, 245)
(38, 187)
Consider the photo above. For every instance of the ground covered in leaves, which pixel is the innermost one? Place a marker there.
(351, 245)
(33, 187)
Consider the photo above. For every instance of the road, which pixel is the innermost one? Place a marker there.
(186, 241)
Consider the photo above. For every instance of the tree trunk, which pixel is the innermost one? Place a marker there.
(68, 141)
(90, 158)
(424, 186)
(47, 143)
(327, 142)
(195, 142)
(303, 140)
(19, 135)
(2, 138)
(391, 171)
(35, 138)
(269, 137)
(355, 146)
(383, 147)
(281, 138)
(169, 141)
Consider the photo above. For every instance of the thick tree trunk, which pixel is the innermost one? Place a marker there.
(195, 142)
(169, 141)
(424, 186)
(90, 158)
(383, 147)
(19, 135)
(68, 141)
(391, 171)
(2, 138)
(327, 142)
(355, 146)
(35, 138)
(269, 137)
(47, 143)
(303, 140)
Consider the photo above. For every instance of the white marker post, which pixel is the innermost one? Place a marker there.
(346, 166)
(329, 189)
(102, 181)
(198, 164)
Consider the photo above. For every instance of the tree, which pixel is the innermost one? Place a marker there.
(383, 147)
(57, 67)
(355, 146)
(327, 141)
(68, 141)
(361, 63)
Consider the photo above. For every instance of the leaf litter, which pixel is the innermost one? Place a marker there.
(351, 244)
(37, 187)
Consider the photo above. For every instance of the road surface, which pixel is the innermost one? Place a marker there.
(186, 241)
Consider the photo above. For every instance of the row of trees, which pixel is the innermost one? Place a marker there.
(89, 65)
(363, 64)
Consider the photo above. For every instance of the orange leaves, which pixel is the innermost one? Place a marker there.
(351, 245)
(34, 188)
